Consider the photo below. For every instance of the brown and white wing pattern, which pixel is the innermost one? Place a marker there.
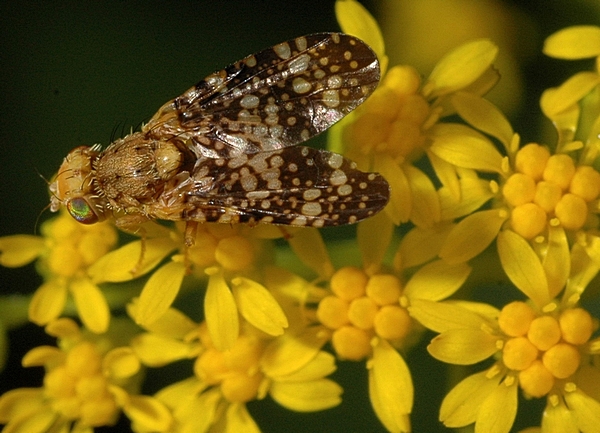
(276, 98)
(297, 186)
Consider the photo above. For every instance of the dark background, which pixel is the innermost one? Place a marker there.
(76, 72)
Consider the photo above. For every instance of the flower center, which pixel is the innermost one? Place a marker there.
(79, 389)
(391, 120)
(360, 308)
(549, 186)
(543, 348)
(236, 371)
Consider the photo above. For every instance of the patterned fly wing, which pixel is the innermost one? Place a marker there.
(297, 186)
(276, 98)
(223, 151)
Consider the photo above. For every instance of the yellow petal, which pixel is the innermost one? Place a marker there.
(118, 265)
(446, 173)
(497, 412)
(20, 402)
(400, 204)
(159, 292)
(64, 327)
(523, 267)
(41, 355)
(39, 421)
(390, 387)
(307, 396)
(156, 350)
(557, 260)
(437, 280)
(258, 306)
(148, 413)
(558, 419)
(373, 236)
(320, 366)
(576, 42)
(472, 235)
(19, 250)
(586, 410)
(463, 65)
(443, 316)
(355, 20)
(289, 353)
(461, 406)
(173, 323)
(239, 420)
(463, 346)
(464, 147)
(557, 100)
(91, 305)
(221, 313)
(311, 250)
(196, 413)
(48, 302)
(120, 362)
(426, 203)
(474, 193)
(583, 268)
(484, 116)
(420, 245)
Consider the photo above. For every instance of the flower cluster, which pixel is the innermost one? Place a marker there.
(250, 313)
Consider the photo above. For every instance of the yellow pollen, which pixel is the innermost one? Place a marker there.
(547, 195)
(571, 211)
(83, 360)
(210, 366)
(576, 325)
(202, 253)
(544, 332)
(528, 220)
(362, 312)
(240, 387)
(559, 170)
(562, 360)
(519, 353)
(384, 289)
(351, 343)
(333, 312)
(585, 183)
(536, 380)
(392, 322)
(58, 383)
(349, 283)
(64, 260)
(403, 79)
(531, 160)
(244, 355)
(234, 253)
(515, 318)
(519, 189)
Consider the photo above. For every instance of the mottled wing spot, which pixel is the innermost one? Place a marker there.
(283, 50)
(338, 177)
(300, 85)
(249, 101)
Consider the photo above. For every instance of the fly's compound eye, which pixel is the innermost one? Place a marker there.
(80, 209)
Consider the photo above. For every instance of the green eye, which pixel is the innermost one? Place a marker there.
(81, 211)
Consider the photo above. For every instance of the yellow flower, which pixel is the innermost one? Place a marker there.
(66, 251)
(364, 313)
(290, 368)
(89, 380)
(398, 124)
(543, 346)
